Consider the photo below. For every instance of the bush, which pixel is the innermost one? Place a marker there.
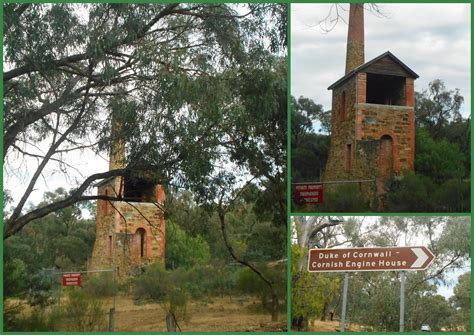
(413, 193)
(454, 196)
(101, 285)
(440, 160)
(82, 313)
(248, 282)
(40, 291)
(36, 321)
(165, 287)
(183, 250)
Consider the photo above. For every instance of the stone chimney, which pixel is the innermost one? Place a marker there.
(355, 37)
(117, 150)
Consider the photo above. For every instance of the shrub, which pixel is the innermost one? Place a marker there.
(82, 313)
(183, 250)
(101, 285)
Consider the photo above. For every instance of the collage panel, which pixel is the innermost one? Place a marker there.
(161, 173)
(381, 273)
(144, 167)
(380, 108)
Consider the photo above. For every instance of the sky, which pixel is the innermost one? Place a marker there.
(432, 39)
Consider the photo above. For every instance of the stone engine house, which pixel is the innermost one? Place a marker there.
(129, 233)
(372, 121)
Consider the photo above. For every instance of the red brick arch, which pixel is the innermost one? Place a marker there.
(395, 148)
(148, 252)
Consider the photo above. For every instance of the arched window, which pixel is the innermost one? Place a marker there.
(141, 239)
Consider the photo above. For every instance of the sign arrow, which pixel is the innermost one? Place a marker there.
(422, 257)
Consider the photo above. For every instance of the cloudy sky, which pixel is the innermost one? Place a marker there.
(432, 39)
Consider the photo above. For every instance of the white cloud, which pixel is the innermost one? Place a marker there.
(432, 39)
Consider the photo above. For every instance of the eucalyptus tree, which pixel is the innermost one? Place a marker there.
(177, 77)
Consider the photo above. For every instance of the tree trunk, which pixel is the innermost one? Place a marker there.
(274, 307)
(325, 312)
(170, 324)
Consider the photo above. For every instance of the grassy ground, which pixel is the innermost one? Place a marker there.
(216, 314)
(331, 326)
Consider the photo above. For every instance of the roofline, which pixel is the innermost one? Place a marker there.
(104, 181)
(361, 67)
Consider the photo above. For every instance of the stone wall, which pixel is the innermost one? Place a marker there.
(342, 131)
(128, 234)
(369, 140)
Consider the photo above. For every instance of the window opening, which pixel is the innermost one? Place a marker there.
(385, 90)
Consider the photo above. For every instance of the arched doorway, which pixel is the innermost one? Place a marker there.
(385, 161)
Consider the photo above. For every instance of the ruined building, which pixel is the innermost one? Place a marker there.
(129, 233)
(372, 124)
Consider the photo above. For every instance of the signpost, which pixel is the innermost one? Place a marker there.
(309, 193)
(370, 259)
(71, 279)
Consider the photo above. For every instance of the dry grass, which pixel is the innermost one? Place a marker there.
(218, 314)
(331, 326)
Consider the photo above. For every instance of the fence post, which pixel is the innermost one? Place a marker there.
(111, 319)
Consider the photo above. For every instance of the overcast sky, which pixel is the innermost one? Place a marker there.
(432, 39)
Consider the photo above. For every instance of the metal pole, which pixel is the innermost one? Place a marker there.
(342, 324)
(402, 301)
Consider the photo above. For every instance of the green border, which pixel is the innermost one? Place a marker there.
(288, 173)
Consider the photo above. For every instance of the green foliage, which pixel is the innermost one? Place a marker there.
(414, 187)
(37, 321)
(183, 250)
(462, 301)
(82, 312)
(168, 288)
(312, 294)
(41, 289)
(309, 158)
(436, 107)
(203, 89)
(309, 151)
(439, 160)
(60, 240)
(451, 196)
(15, 278)
(101, 285)
(248, 282)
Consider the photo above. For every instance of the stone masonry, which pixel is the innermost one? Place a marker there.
(131, 232)
(372, 125)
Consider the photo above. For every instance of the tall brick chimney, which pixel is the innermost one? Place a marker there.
(355, 37)
(117, 150)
